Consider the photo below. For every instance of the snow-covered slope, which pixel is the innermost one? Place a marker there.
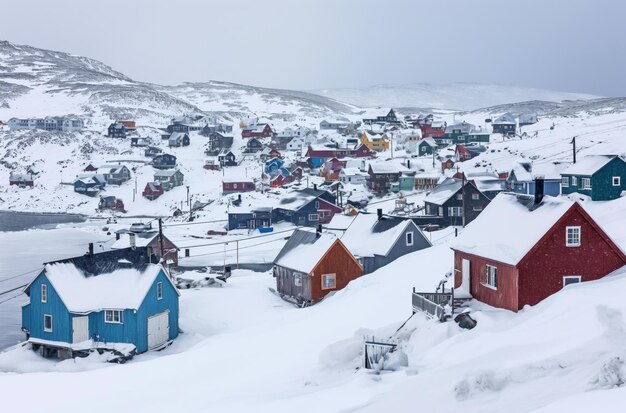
(459, 96)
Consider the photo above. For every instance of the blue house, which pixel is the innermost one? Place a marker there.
(117, 301)
(521, 180)
(601, 177)
(164, 161)
(254, 218)
(273, 165)
(376, 240)
(306, 207)
(89, 184)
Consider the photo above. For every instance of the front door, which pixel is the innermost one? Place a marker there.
(80, 329)
(158, 329)
(465, 275)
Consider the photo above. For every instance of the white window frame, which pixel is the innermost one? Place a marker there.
(577, 277)
(297, 280)
(475, 196)
(317, 204)
(585, 183)
(440, 211)
(477, 208)
(565, 181)
(314, 217)
(334, 278)
(110, 316)
(491, 279)
(159, 290)
(44, 293)
(459, 197)
(572, 243)
(616, 181)
(412, 238)
(47, 330)
(574, 181)
(453, 210)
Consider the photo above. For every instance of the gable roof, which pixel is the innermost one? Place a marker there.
(505, 119)
(444, 191)
(589, 165)
(304, 250)
(120, 289)
(367, 235)
(508, 229)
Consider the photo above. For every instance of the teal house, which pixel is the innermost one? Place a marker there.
(601, 177)
(461, 134)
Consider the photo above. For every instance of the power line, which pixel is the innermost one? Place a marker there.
(19, 275)
(195, 223)
(13, 289)
(239, 239)
(232, 249)
(9, 299)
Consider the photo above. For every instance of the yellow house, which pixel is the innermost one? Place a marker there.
(375, 142)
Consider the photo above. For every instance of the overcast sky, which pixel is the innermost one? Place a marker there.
(566, 45)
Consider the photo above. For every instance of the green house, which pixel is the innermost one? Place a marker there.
(407, 181)
(462, 134)
(601, 177)
(169, 178)
(426, 147)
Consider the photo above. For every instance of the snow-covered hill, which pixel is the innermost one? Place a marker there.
(459, 96)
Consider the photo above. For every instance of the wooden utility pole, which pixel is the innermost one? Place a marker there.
(463, 198)
(237, 254)
(161, 238)
(573, 142)
(190, 212)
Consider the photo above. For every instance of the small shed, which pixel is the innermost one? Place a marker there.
(153, 190)
(229, 186)
(21, 180)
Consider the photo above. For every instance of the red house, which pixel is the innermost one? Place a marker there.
(21, 180)
(153, 190)
(331, 168)
(237, 186)
(522, 249)
(434, 129)
(281, 180)
(263, 130)
(313, 264)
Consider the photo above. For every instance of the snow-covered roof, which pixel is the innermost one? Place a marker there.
(505, 119)
(368, 236)
(352, 172)
(429, 141)
(507, 229)
(175, 136)
(304, 250)
(166, 172)
(20, 177)
(588, 165)
(387, 167)
(109, 169)
(120, 289)
(444, 191)
(464, 127)
(142, 239)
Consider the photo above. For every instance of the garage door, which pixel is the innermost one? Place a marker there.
(158, 329)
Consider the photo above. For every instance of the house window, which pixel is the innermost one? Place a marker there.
(297, 280)
(44, 293)
(235, 186)
(459, 197)
(440, 211)
(477, 208)
(409, 239)
(317, 204)
(617, 180)
(571, 279)
(574, 181)
(313, 217)
(47, 323)
(159, 290)
(475, 196)
(491, 276)
(114, 316)
(565, 181)
(455, 211)
(585, 183)
(328, 281)
(572, 236)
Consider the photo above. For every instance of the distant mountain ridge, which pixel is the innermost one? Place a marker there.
(452, 96)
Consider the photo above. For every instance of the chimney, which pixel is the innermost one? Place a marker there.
(117, 236)
(408, 163)
(318, 231)
(315, 187)
(379, 211)
(539, 180)
(239, 197)
(133, 243)
(91, 249)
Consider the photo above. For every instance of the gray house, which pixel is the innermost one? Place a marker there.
(114, 174)
(376, 240)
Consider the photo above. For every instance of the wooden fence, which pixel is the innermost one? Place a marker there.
(433, 304)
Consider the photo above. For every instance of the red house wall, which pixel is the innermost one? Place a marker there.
(505, 296)
(542, 270)
(339, 261)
